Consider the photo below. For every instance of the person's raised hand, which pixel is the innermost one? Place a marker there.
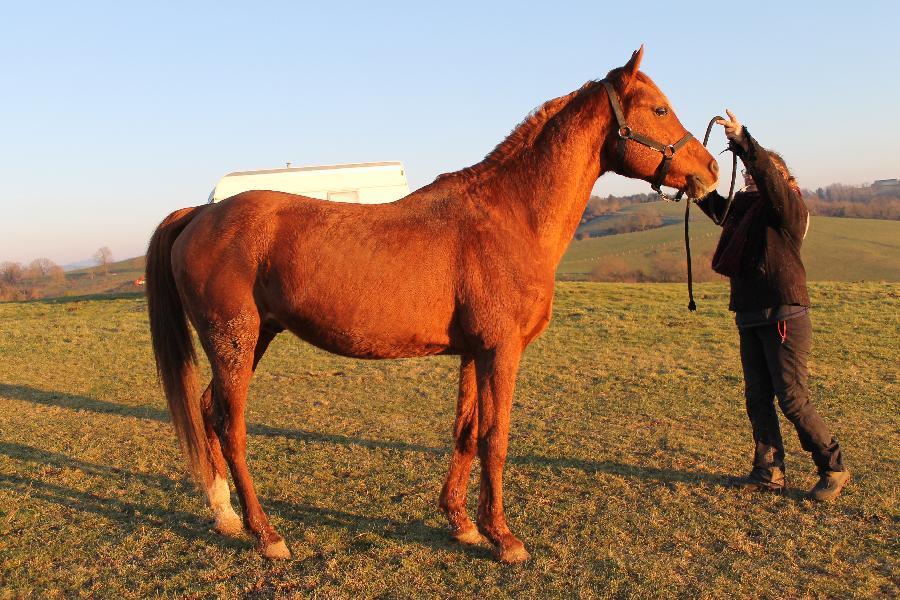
(734, 129)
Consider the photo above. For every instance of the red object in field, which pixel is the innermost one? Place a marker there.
(139, 280)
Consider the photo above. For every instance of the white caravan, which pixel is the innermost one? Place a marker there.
(365, 183)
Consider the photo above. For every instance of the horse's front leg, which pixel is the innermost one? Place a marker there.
(496, 373)
(465, 444)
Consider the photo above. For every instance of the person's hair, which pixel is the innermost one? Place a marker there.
(782, 166)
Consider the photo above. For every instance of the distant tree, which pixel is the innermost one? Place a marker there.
(861, 202)
(667, 267)
(647, 218)
(702, 268)
(597, 206)
(57, 274)
(639, 220)
(613, 268)
(104, 257)
(42, 267)
(46, 269)
(11, 272)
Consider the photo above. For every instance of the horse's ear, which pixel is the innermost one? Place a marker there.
(631, 67)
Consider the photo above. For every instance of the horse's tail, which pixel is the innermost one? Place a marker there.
(173, 345)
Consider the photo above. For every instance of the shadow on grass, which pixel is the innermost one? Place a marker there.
(131, 516)
(76, 402)
(644, 473)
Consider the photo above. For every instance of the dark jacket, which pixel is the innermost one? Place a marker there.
(771, 271)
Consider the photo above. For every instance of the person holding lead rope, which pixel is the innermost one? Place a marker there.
(759, 251)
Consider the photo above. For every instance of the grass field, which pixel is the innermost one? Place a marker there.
(627, 422)
(836, 249)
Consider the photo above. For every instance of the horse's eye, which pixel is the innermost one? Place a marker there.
(661, 111)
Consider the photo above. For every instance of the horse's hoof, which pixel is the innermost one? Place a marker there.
(513, 554)
(469, 537)
(277, 551)
(229, 524)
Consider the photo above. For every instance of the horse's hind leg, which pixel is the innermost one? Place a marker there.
(232, 347)
(465, 435)
(217, 492)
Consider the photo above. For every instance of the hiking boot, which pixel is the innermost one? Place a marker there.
(762, 479)
(829, 486)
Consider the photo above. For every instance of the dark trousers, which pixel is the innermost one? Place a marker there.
(776, 368)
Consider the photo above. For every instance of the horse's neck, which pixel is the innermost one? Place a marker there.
(552, 181)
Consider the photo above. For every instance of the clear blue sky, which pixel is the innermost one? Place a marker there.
(114, 114)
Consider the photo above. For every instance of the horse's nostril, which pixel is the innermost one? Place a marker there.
(714, 167)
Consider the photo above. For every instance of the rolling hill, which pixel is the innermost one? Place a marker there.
(836, 249)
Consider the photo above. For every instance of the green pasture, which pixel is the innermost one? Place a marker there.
(836, 249)
(628, 421)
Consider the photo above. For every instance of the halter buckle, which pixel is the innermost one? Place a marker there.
(666, 196)
(625, 132)
(669, 151)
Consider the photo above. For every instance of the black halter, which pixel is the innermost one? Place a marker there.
(625, 133)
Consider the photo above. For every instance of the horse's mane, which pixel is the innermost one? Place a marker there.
(522, 136)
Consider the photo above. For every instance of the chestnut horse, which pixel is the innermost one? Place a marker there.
(464, 266)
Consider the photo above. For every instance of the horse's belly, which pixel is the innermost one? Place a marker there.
(358, 342)
(372, 333)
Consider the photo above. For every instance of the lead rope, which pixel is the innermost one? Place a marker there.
(692, 306)
(733, 172)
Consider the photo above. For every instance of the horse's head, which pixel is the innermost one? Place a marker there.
(649, 131)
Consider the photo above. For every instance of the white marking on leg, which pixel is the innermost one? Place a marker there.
(227, 521)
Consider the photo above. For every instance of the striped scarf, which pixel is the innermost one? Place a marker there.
(729, 256)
